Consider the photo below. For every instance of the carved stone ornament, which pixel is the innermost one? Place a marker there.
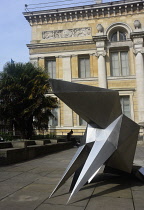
(100, 44)
(67, 33)
(137, 24)
(98, 53)
(99, 28)
(138, 40)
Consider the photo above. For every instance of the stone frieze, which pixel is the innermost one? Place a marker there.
(67, 33)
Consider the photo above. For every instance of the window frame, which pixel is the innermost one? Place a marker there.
(118, 32)
(51, 119)
(119, 63)
(80, 57)
(122, 101)
(58, 111)
(129, 94)
(51, 59)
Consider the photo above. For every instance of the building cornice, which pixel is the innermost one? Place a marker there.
(60, 44)
(94, 11)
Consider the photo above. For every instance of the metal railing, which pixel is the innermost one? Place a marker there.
(48, 5)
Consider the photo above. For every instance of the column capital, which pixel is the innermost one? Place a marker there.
(138, 40)
(136, 51)
(92, 54)
(102, 53)
(41, 57)
(74, 55)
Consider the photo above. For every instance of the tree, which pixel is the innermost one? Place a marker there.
(23, 100)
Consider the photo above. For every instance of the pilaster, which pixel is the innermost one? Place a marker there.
(138, 50)
(68, 114)
(41, 62)
(66, 62)
(74, 65)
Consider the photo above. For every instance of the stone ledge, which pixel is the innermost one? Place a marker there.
(23, 143)
(14, 155)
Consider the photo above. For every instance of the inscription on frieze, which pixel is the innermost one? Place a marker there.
(67, 33)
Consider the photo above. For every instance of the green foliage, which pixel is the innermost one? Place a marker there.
(23, 89)
(6, 136)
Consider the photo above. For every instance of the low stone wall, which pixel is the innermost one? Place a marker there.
(14, 152)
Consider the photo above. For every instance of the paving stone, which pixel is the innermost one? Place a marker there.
(110, 203)
(138, 185)
(58, 207)
(22, 168)
(62, 195)
(26, 178)
(28, 198)
(51, 180)
(8, 187)
(116, 191)
(138, 197)
(41, 170)
(4, 175)
(27, 186)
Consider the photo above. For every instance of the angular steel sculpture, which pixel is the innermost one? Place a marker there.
(110, 138)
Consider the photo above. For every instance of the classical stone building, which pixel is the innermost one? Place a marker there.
(99, 45)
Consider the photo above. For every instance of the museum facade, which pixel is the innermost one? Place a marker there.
(99, 45)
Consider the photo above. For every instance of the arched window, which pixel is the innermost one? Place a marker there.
(118, 36)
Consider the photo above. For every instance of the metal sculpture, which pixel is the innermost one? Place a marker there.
(110, 138)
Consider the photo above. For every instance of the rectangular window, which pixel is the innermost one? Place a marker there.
(51, 67)
(84, 66)
(53, 121)
(125, 104)
(119, 63)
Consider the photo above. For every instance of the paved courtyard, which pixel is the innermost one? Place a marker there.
(27, 186)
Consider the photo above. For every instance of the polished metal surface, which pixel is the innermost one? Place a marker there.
(141, 170)
(110, 137)
(77, 161)
(95, 105)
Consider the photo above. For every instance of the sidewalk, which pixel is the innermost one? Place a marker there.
(27, 186)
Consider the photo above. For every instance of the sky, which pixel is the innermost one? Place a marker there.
(15, 31)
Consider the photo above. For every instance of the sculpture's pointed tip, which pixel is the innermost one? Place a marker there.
(52, 194)
(71, 195)
(68, 200)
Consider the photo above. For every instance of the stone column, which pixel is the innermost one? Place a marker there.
(67, 112)
(139, 65)
(102, 76)
(100, 40)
